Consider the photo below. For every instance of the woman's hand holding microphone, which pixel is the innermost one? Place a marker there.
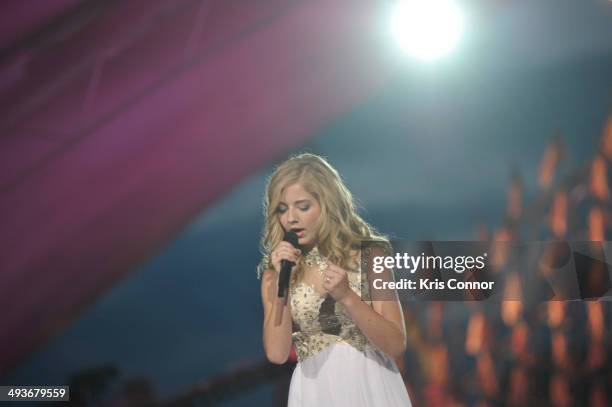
(284, 251)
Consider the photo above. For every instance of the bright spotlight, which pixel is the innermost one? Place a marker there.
(427, 29)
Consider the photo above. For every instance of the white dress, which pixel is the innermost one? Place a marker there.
(337, 366)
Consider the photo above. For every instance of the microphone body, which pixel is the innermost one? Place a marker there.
(286, 266)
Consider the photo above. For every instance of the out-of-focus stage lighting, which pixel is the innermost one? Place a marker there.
(427, 29)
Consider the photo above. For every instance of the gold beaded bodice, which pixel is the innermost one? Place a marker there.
(319, 321)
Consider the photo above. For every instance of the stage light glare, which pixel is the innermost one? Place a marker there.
(427, 29)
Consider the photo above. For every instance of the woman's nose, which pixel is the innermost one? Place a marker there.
(292, 218)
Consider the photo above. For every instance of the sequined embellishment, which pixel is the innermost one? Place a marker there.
(314, 258)
(319, 321)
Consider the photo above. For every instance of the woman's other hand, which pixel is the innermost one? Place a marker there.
(335, 282)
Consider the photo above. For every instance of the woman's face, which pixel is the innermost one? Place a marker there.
(298, 210)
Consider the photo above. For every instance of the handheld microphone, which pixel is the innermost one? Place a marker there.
(286, 266)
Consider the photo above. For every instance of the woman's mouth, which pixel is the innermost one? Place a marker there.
(298, 232)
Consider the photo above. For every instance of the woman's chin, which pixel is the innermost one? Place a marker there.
(306, 243)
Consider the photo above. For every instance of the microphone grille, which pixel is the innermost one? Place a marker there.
(292, 238)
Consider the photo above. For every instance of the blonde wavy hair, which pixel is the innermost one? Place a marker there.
(340, 230)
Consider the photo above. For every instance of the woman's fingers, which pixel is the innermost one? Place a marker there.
(333, 270)
(286, 248)
(335, 282)
(287, 245)
(284, 251)
(333, 275)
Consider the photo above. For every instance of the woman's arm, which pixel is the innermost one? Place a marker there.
(383, 323)
(277, 320)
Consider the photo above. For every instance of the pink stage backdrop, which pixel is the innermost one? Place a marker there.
(126, 119)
